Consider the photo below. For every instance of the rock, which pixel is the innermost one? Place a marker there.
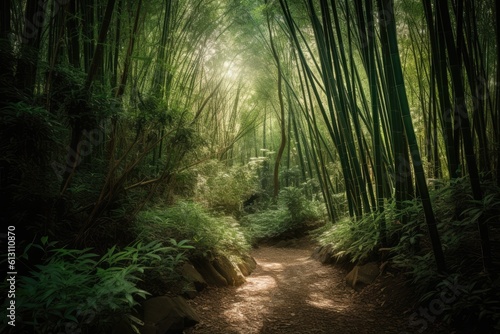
(324, 254)
(209, 273)
(250, 261)
(190, 291)
(161, 315)
(245, 270)
(193, 277)
(168, 315)
(229, 270)
(361, 276)
(247, 264)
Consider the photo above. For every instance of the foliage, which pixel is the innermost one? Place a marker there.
(300, 209)
(478, 298)
(28, 136)
(266, 224)
(201, 72)
(224, 188)
(477, 306)
(34, 128)
(210, 234)
(292, 214)
(477, 303)
(354, 240)
(77, 289)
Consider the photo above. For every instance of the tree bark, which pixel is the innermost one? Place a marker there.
(276, 181)
(387, 6)
(27, 64)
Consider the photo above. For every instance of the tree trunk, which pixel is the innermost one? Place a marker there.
(387, 6)
(6, 57)
(27, 64)
(276, 182)
(461, 121)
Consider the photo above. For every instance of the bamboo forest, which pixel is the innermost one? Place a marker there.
(250, 166)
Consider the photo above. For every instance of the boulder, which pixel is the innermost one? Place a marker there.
(245, 270)
(361, 276)
(209, 273)
(193, 277)
(228, 270)
(324, 254)
(249, 262)
(168, 314)
(189, 291)
(161, 315)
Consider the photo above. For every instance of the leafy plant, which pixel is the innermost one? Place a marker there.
(292, 214)
(78, 289)
(208, 233)
(224, 189)
(475, 305)
(298, 206)
(266, 224)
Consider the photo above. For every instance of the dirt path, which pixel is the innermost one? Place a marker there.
(291, 293)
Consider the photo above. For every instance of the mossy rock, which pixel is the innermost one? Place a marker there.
(229, 270)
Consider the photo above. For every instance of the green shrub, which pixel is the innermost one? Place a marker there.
(477, 302)
(300, 209)
(476, 308)
(266, 224)
(476, 305)
(352, 240)
(223, 188)
(292, 214)
(208, 233)
(75, 289)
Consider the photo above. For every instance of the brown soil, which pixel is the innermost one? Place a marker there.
(291, 293)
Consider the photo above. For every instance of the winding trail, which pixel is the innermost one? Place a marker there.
(291, 293)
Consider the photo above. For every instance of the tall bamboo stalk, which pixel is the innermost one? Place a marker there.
(387, 6)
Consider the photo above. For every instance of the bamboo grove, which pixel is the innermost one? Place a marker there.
(390, 134)
(371, 99)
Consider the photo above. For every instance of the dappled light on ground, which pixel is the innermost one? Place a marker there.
(271, 266)
(257, 294)
(291, 293)
(317, 300)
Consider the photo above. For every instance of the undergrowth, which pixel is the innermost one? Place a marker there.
(209, 233)
(76, 290)
(223, 189)
(476, 295)
(292, 214)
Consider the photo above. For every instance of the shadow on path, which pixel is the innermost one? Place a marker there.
(291, 293)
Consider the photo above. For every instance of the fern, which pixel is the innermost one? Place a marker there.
(80, 289)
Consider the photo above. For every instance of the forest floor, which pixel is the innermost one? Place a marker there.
(289, 292)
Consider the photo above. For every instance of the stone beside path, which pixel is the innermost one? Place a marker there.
(290, 292)
(284, 288)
